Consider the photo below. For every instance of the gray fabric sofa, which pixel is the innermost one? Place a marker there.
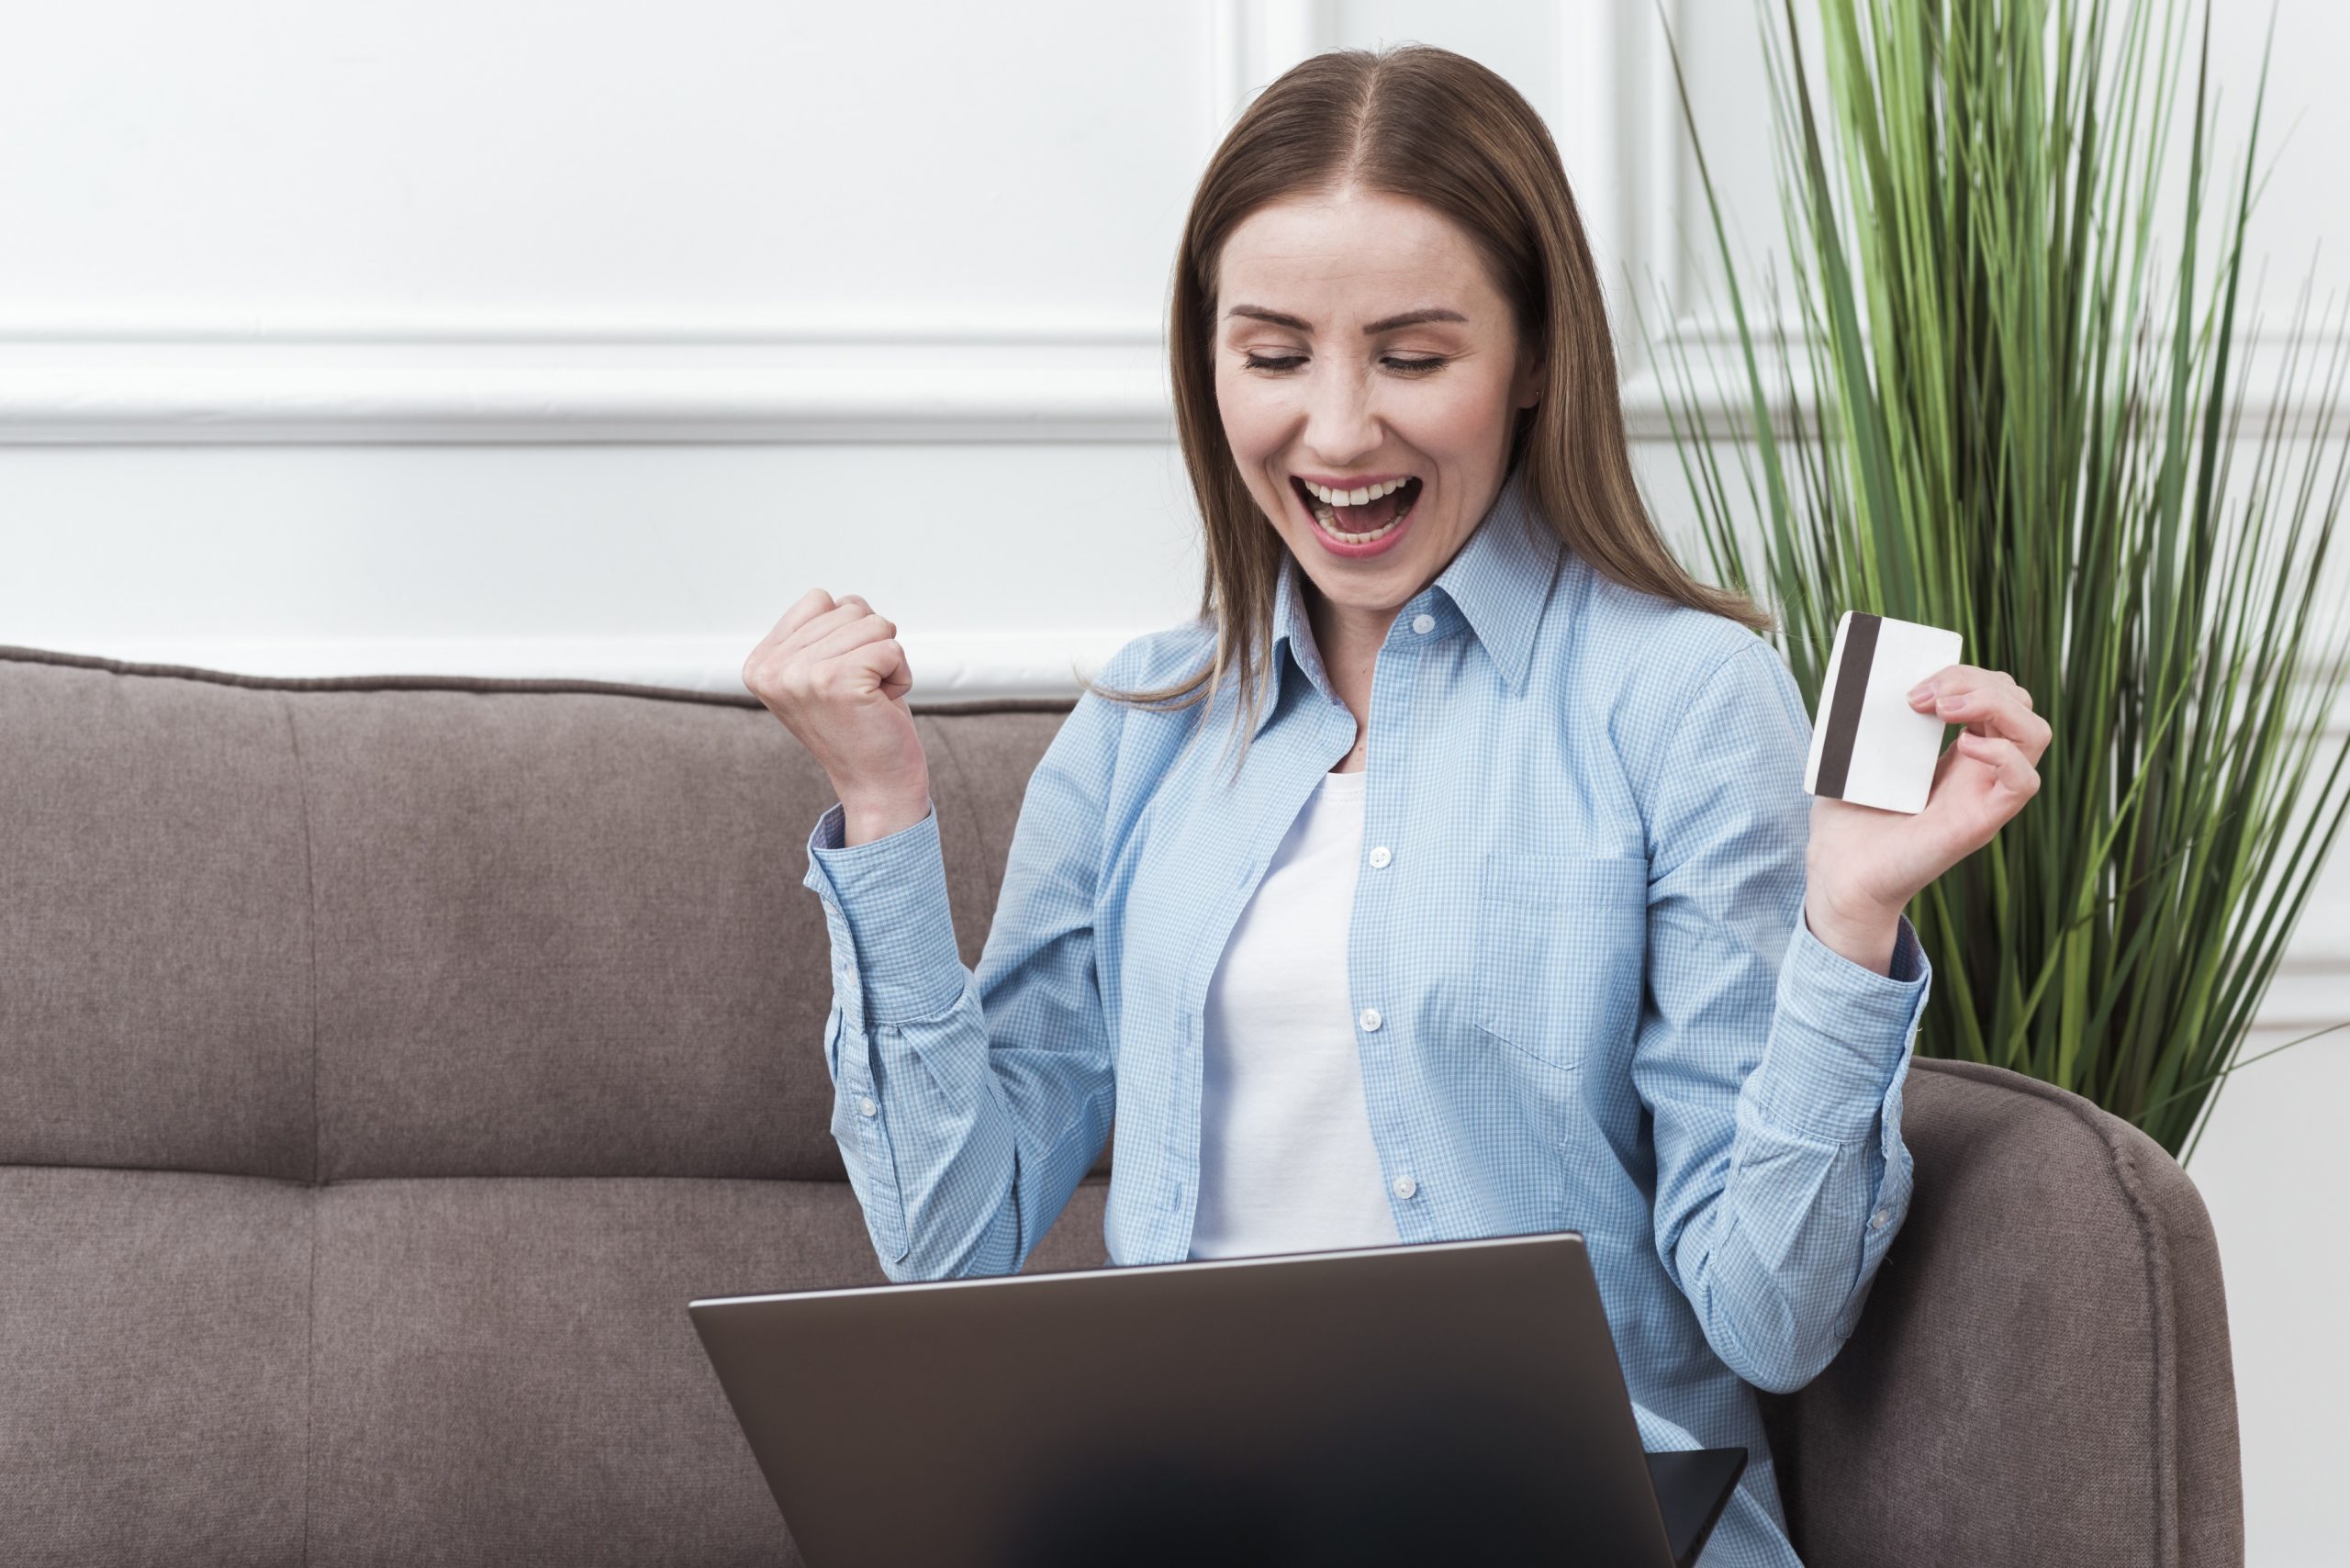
(385, 1061)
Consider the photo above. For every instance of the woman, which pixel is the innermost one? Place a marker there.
(1507, 915)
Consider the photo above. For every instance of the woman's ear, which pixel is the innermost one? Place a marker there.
(1532, 378)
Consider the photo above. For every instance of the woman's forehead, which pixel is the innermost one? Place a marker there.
(1348, 263)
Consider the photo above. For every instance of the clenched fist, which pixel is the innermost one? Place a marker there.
(832, 671)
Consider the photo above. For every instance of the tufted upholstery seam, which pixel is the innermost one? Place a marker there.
(310, 1337)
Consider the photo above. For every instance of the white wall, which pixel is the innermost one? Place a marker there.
(525, 339)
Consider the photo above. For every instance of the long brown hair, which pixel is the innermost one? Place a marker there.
(1415, 121)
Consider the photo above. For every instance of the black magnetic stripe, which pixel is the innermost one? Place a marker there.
(1844, 710)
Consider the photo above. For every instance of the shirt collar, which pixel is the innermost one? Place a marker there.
(1495, 584)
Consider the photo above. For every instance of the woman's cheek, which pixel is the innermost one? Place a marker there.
(1458, 418)
(1253, 421)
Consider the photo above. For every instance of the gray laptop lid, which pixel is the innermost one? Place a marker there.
(1447, 1402)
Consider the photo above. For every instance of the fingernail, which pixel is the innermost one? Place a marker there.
(1923, 688)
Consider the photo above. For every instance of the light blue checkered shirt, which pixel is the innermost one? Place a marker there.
(1585, 996)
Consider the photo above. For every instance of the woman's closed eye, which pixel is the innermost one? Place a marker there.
(1291, 361)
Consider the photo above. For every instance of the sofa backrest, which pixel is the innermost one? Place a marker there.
(385, 1061)
(2041, 1374)
(326, 930)
(384, 1065)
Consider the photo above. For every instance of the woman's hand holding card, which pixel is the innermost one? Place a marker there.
(1865, 863)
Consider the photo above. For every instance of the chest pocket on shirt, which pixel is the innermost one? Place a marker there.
(1562, 945)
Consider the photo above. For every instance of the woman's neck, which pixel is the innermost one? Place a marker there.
(1348, 641)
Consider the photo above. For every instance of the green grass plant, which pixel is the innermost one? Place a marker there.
(2005, 434)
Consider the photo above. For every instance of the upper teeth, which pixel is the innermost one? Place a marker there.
(1329, 497)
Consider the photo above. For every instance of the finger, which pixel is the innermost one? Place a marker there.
(1987, 700)
(2000, 711)
(885, 659)
(899, 680)
(804, 608)
(849, 636)
(1958, 677)
(846, 611)
(2010, 767)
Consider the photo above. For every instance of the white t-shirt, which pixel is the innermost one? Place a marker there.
(1286, 1159)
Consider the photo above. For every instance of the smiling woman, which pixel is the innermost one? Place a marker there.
(1377, 434)
(1384, 278)
(1516, 918)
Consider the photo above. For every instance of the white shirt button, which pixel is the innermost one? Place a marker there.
(1877, 1220)
(1423, 624)
(866, 1107)
(1370, 1019)
(1405, 1186)
(1379, 857)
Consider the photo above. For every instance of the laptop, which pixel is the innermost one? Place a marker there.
(1454, 1401)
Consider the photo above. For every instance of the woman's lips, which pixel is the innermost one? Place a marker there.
(1413, 493)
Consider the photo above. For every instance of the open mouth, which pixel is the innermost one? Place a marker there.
(1366, 522)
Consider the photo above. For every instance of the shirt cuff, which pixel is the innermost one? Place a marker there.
(1841, 1035)
(886, 907)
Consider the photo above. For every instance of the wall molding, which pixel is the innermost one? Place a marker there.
(2312, 989)
(234, 330)
(1255, 41)
(455, 396)
(913, 377)
(989, 382)
(919, 376)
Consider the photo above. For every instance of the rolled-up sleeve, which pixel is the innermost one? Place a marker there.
(1773, 1067)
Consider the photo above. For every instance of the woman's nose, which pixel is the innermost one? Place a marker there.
(1341, 424)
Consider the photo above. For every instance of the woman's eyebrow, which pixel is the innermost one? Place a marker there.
(1408, 319)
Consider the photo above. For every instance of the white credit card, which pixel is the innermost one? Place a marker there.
(1868, 746)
